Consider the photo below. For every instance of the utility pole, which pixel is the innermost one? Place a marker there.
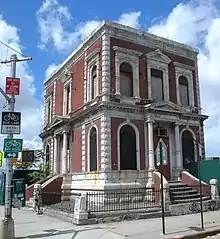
(7, 224)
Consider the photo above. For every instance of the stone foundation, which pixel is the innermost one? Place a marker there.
(89, 181)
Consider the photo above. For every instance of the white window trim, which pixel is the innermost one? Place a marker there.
(132, 57)
(88, 148)
(92, 61)
(66, 85)
(48, 99)
(179, 71)
(158, 61)
(137, 143)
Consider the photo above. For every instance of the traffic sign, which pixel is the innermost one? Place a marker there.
(11, 123)
(8, 155)
(12, 86)
(1, 158)
(27, 156)
(13, 145)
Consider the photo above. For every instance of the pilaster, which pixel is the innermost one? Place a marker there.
(105, 143)
(83, 148)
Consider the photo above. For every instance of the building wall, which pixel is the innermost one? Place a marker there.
(143, 67)
(76, 150)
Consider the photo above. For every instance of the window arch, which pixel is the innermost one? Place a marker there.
(128, 141)
(188, 146)
(183, 91)
(126, 79)
(94, 83)
(93, 152)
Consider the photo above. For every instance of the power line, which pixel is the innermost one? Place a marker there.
(12, 49)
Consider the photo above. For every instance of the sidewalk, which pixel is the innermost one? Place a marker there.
(29, 225)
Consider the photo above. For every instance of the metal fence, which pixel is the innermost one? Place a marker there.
(122, 200)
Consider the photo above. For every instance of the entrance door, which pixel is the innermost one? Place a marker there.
(165, 153)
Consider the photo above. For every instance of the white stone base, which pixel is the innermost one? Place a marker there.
(81, 182)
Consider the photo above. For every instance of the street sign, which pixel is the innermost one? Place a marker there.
(12, 86)
(11, 123)
(1, 158)
(13, 145)
(8, 155)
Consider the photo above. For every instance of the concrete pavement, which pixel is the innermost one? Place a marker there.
(29, 225)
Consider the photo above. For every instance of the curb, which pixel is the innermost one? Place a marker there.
(198, 234)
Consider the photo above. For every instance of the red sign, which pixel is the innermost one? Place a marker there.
(12, 86)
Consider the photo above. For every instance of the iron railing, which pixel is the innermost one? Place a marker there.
(122, 200)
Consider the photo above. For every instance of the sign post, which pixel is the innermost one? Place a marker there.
(12, 88)
(11, 123)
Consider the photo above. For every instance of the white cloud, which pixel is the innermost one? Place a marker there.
(26, 103)
(197, 23)
(54, 18)
(50, 69)
(130, 19)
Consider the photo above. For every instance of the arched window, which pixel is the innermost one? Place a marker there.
(157, 85)
(128, 149)
(188, 147)
(126, 79)
(93, 150)
(183, 91)
(94, 82)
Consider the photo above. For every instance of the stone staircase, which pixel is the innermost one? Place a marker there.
(182, 193)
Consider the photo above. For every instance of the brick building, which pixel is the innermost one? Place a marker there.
(107, 107)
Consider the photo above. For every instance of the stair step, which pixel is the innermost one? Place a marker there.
(179, 201)
(173, 185)
(186, 196)
(174, 181)
(183, 192)
(180, 189)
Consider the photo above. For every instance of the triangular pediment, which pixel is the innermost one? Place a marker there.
(158, 56)
(167, 106)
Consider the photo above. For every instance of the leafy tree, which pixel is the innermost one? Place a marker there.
(42, 173)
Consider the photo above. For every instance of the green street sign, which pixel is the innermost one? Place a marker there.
(13, 145)
(10, 155)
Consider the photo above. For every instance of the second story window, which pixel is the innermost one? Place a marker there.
(49, 112)
(157, 85)
(94, 82)
(48, 109)
(126, 80)
(183, 91)
(67, 99)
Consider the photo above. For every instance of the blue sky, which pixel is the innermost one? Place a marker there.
(49, 30)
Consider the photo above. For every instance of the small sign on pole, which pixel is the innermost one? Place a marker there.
(1, 158)
(12, 86)
(11, 123)
(13, 146)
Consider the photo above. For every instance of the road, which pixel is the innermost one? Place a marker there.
(29, 225)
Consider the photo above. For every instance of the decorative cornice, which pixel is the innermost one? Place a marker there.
(184, 66)
(127, 51)
(66, 76)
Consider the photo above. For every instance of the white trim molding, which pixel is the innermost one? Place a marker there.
(132, 57)
(88, 146)
(67, 84)
(158, 61)
(83, 147)
(186, 72)
(137, 143)
(194, 142)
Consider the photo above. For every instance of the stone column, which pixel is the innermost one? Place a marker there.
(64, 156)
(151, 164)
(55, 155)
(179, 163)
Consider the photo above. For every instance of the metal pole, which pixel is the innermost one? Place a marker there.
(7, 224)
(200, 181)
(8, 231)
(161, 191)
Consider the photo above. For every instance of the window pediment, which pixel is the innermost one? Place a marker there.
(158, 56)
(127, 51)
(93, 54)
(66, 76)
